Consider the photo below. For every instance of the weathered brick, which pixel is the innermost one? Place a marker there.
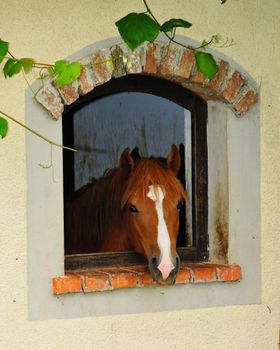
(199, 89)
(134, 60)
(203, 274)
(199, 78)
(96, 282)
(69, 93)
(216, 83)
(139, 276)
(233, 86)
(151, 59)
(118, 62)
(145, 279)
(123, 280)
(50, 99)
(169, 59)
(244, 104)
(102, 66)
(229, 273)
(85, 80)
(186, 64)
(183, 276)
(66, 284)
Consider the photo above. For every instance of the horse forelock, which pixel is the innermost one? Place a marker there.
(153, 172)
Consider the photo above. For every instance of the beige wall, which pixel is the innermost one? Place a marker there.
(51, 30)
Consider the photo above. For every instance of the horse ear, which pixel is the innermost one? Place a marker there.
(135, 154)
(174, 159)
(126, 162)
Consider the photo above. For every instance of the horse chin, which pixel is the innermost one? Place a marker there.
(169, 281)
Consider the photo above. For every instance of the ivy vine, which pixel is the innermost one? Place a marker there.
(134, 28)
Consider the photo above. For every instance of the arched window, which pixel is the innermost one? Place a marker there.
(190, 113)
(225, 183)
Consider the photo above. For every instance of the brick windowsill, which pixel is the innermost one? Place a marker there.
(97, 280)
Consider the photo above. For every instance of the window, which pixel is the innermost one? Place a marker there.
(193, 233)
(233, 176)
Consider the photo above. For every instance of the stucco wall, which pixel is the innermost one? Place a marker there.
(51, 30)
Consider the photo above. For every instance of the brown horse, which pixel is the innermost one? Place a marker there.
(133, 207)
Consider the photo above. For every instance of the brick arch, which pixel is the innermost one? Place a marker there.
(160, 59)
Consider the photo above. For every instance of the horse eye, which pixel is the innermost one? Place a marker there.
(180, 205)
(132, 208)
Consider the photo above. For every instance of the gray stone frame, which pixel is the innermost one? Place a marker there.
(234, 167)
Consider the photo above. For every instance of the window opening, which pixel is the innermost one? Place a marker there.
(186, 127)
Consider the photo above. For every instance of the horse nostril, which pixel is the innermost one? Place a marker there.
(153, 266)
(154, 262)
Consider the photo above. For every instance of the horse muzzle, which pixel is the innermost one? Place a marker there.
(162, 273)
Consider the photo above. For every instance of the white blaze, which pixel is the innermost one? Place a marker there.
(163, 239)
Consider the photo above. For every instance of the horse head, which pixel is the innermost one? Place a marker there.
(151, 204)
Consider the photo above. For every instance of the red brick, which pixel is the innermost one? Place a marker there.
(186, 64)
(69, 93)
(183, 276)
(229, 273)
(86, 83)
(216, 83)
(123, 280)
(139, 276)
(66, 284)
(199, 78)
(136, 268)
(243, 105)
(145, 279)
(100, 66)
(107, 270)
(203, 274)
(168, 60)
(96, 282)
(50, 99)
(233, 86)
(151, 59)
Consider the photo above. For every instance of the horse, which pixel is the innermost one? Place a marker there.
(133, 207)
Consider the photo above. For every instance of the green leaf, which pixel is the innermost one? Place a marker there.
(223, 1)
(66, 72)
(4, 47)
(136, 28)
(206, 64)
(168, 26)
(7, 66)
(16, 68)
(12, 67)
(75, 70)
(27, 64)
(3, 127)
(59, 66)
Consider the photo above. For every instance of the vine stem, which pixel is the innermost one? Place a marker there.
(34, 65)
(36, 133)
(9, 52)
(168, 36)
(171, 38)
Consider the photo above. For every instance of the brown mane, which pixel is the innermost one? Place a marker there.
(98, 206)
